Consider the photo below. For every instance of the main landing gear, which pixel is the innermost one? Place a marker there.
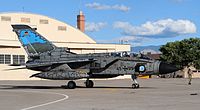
(135, 84)
(71, 85)
(89, 83)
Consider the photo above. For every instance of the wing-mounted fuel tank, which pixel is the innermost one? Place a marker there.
(61, 75)
(62, 72)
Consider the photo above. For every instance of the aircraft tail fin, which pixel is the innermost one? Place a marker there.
(32, 41)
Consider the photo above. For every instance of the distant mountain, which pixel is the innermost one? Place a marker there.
(145, 49)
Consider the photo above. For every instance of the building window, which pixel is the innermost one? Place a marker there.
(15, 59)
(18, 59)
(7, 59)
(5, 18)
(44, 21)
(25, 20)
(22, 59)
(62, 28)
(1, 59)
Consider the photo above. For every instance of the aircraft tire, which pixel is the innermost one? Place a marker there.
(89, 84)
(135, 86)
(71, 85)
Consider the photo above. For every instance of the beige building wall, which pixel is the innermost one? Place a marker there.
(59, 33)
(53, 29)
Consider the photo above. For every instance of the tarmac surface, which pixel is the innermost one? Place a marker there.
(154, 94)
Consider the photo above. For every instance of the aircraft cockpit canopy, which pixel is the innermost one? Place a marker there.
(120, 54)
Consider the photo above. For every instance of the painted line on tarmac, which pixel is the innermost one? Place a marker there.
(48, 103)
(44, 104)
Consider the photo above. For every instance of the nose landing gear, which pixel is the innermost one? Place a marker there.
(135, 84)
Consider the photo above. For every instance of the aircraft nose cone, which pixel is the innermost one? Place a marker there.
(165, 68)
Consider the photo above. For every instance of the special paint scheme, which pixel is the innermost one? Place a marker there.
(58, 63)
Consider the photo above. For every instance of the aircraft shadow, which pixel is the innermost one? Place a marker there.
(29, 87)
(64, 87)
(109, 87)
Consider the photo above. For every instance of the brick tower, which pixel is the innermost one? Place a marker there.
(81, 21)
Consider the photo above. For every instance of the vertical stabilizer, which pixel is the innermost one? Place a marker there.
(33, 42)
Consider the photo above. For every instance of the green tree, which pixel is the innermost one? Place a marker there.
(182, 53)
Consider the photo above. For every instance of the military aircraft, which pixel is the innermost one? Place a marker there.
(58, 63)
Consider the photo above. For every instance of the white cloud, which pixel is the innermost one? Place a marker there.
(145, 51)
(130, 39)
(99, 6)
(158, 29)
(92, 27)
(133, 40)
(121, 7)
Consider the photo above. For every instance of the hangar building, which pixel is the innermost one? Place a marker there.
(59, 33)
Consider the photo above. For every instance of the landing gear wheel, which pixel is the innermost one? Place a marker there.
(71, 85)
(135, 86)
(89, 83)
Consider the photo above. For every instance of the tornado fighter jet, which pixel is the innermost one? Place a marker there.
(58, 63)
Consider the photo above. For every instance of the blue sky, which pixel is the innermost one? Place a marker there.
(138, 22)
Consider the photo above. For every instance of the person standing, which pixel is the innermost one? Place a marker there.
(190, 76)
